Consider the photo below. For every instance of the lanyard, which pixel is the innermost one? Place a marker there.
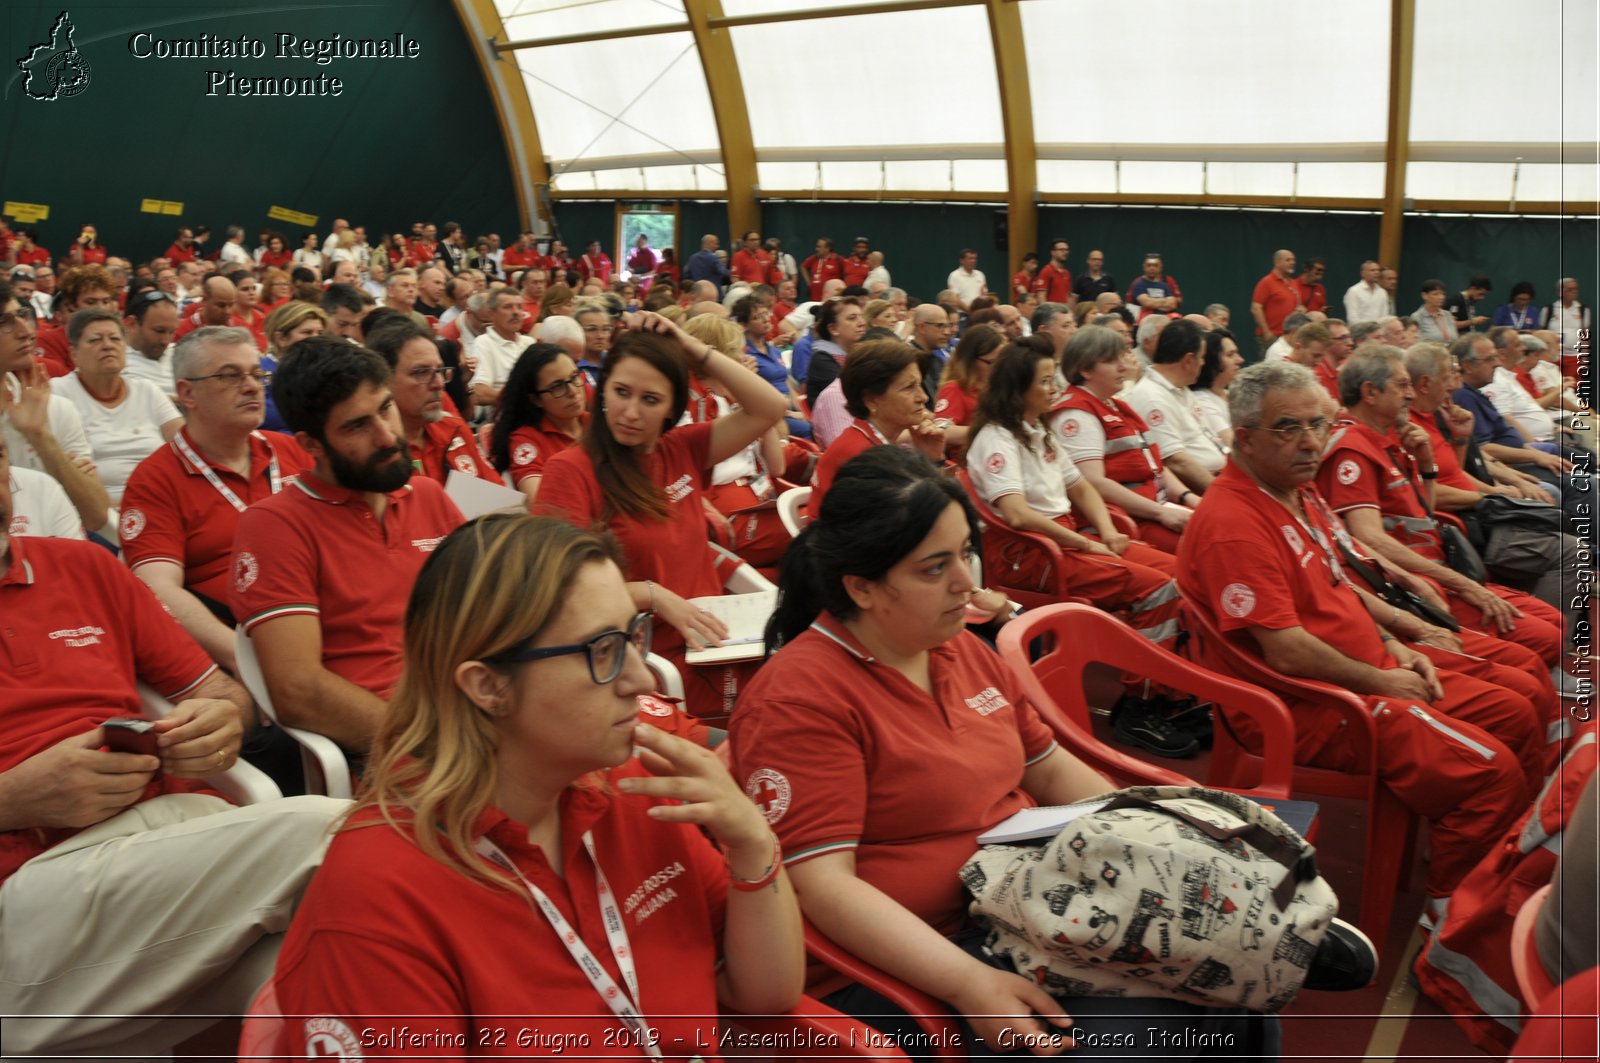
(622, 1002)
(273, 481)
(1520, 318)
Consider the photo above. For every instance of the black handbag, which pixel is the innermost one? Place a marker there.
(1400, 597)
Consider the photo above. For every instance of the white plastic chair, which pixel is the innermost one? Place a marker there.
(747, 579)
(792, 509)
(326, 769)
(668, 681)
(243, 784)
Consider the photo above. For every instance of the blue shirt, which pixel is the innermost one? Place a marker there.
(706, 266)
(1487, 424)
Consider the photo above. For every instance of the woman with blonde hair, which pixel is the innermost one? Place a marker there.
(511, 854)
(558, 301)
(287, 325)
(880, 314)
(743, 484)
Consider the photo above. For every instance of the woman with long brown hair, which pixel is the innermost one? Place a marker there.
(642, 476)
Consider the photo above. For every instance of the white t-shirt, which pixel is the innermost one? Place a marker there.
(1278, 352)
(497, 357)
(158, 371)
(1516, 405)
(967, 286)
(1213, 410)
(40, 507)
(62, 420)
(121, 436)
(1174, 422)
(235, 253)
(1040, 472)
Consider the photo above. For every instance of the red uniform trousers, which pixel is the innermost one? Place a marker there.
(1460, 763)
(1140, 582)
(1159, 536)
(1540, 627)
(1516, 668)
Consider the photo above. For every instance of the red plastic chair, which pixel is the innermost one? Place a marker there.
(1389, 822)
(1532, 980)
(932, 1016)
(1072, 637)
(1028, 597)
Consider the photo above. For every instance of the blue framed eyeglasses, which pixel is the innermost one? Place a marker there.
(607, 652)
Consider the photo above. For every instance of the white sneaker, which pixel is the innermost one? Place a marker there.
(1570, 686)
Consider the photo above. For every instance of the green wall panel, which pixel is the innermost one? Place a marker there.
(408, 139)
(1538, 250)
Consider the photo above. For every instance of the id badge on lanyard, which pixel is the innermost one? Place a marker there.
(624, 1003)
(274, 482)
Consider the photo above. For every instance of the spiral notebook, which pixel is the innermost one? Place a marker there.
(746, 616)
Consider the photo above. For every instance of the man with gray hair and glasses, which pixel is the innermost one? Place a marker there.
(1265, 558)
(182, 503)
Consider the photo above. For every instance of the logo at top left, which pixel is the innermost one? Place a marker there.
(55, 69)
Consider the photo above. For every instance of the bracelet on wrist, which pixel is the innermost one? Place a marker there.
(1429, 474)
(1386, 637)
(768, 877)
(651, 587)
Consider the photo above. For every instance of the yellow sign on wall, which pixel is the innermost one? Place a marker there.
(293, 217)
(159, 206)
(27, 213)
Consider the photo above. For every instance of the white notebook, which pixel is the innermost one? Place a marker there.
(746, 616)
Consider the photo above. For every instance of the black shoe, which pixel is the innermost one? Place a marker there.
(1344, 961)
(1143, 723)
(1190, 717)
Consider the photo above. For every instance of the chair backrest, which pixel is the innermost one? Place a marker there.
(1223, 654)
(326, 769)
(792, 509)
(668, 681)
(243, 784)
(1071, 637)
(1533, 981)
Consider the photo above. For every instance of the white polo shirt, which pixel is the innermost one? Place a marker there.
(1041, 472)
(1516, 405)
(1174, 421)
(61, 417)
(158, 370)
(40, 507)
(967, 286)
(497, 357)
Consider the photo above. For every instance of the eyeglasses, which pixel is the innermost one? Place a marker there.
(235, 379)
(23, 312)
(1294, 433)
(424, 374)
(607, 651)
(562, 388)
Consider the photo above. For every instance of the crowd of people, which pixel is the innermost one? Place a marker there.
(203, 454)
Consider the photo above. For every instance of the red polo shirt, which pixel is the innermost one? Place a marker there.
(595, 267)
(515, 258)
(1328, 376)
(1054, 283)
(1253, 565)
(448, 444)
(1444, 455)
(33, 256)
(753, 267)
(859, 436)
(845, 754)
(54, 352)
(532, 447)
(1021, 284)
(1364, 470)
(956, 403)
(178, 255)
(1278, 298)
(384, 929)
(1312, 296)
(315, 549)
(855, 270)
(77, 631)
(674, 552)
(171, 512)
(821, 271)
